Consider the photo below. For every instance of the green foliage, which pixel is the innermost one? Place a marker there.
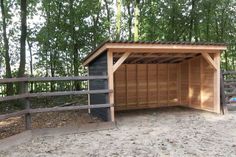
(61, 33)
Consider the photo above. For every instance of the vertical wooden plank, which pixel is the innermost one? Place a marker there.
(168, 84)
(89, 111)
(179, 84)
(111, 83)
(120, 88)
(189, 83)
(201, 83)
(147, 71)
(162, 84)
(217, 83)
(157, 99)
(126, 87)
(136, 71)
(131, 85)
(152, 85)
(142, 85)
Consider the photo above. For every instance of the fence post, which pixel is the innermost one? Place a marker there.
(222, 95)
(27, 107)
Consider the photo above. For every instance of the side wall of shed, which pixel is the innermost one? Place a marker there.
(197, 84)
(98, 67)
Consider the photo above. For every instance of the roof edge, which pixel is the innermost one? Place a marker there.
(85, 63)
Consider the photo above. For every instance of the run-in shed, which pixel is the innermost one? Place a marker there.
(156, 74)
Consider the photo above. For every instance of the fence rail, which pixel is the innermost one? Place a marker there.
(52, 94)
(47, 79)
(27, 96)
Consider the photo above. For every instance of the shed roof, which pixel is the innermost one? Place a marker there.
(154, 46)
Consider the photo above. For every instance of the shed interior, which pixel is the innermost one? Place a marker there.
(153, 80)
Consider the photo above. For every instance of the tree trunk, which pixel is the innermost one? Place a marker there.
(31, 63)
(9, 90)
(192, 15)
(136, 20)
(74, 45)
(21, 71)
(108, 16)
(118, 19)
(130, 13)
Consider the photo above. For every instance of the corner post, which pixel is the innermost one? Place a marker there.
(217, 83)
(111, 83)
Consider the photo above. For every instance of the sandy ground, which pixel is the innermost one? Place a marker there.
(173, 132)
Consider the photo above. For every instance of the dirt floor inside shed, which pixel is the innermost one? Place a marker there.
(176, 132)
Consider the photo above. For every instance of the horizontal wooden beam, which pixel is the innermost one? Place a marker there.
(230, 80)
(54, 109)
(163, 51)
(94, 55)
(231, 94)
(150, 55)
(120, 61)
(49, 94)
(155, 48)
(164, 47)
(208, 58)
(45, 79)
(229, 73)
(69, 108)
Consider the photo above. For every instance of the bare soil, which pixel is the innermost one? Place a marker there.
(16, 125)
(174, 132)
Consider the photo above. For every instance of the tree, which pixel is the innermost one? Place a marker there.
(136, 20)
(21, 71)
(9, 90)
(118, 19)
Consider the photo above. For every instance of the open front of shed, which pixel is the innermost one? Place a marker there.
(145, 75)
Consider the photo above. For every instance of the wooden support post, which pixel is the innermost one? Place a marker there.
(217, 83)
(224, 108)
(28, 120)
(89, 103)
(111, 83)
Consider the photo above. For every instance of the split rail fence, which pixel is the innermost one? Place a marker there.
(26, 96)
(228, 87)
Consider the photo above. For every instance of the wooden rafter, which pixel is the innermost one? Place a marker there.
(140, 58)
(165, 60)
(209, 60)
(173, 56)
(153, 59)
(120, 61)
(182, 58)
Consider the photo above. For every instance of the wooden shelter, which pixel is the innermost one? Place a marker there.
(156, 74)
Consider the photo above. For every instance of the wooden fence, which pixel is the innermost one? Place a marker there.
(228, 83)
(26, 96)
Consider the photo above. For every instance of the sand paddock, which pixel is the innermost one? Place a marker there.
(173, 132)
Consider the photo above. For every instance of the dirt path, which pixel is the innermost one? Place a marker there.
(165, 132)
